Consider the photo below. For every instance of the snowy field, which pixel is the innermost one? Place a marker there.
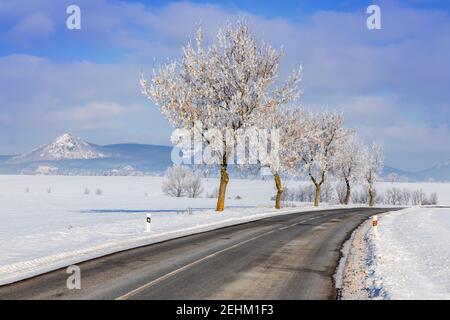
(49, 221)
(40, 231)
(413, 253)
(407, 258)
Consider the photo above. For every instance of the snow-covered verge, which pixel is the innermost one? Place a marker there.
(408, 257)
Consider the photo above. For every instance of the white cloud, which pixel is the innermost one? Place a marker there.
(101, 102)
(95, 111)
(37, 24)
(386, 82)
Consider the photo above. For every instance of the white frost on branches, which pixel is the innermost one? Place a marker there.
(182, 182)
(374, 166)
(220, 94)
(279, 124)
(221, 89)
(225, 87)
(349, 162)
(315, 139)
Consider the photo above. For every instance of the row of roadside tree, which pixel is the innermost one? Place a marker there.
(232, 85)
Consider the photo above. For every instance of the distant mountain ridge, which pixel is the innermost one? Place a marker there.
(69, 155)
(440, 172)
(437, 173)
(65, 147)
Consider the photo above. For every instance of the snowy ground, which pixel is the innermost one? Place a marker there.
(408, 258)
(42, 230)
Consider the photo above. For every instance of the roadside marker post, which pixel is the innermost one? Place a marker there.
(375, 225)
(148, 222)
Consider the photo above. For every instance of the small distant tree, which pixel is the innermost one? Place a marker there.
(174, 185)
(362, 197)
(193, 186)
(433, 200)
(406, 195)
(373, 168)
(394, 196)
(182, 182)
(418, 197)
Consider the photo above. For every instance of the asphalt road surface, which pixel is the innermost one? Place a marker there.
(287, 257)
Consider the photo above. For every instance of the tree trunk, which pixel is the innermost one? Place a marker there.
(371, 197)
(222, 189)
(279, 191)
(317, 195)
(347, 193)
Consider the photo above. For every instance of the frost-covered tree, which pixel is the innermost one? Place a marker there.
(174, 185)
(315, 139)
(216, 91)
(281, 121)
(433, 199)
(394, 196)
(373, 168)
(181, 181)
(418, 197)
(193, 186)
(349, 162)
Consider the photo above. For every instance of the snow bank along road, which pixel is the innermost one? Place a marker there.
(412, 254)
(292, 256)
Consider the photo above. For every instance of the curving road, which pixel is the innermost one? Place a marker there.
(287, 257)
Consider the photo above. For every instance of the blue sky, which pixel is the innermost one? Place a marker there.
(392, 84)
